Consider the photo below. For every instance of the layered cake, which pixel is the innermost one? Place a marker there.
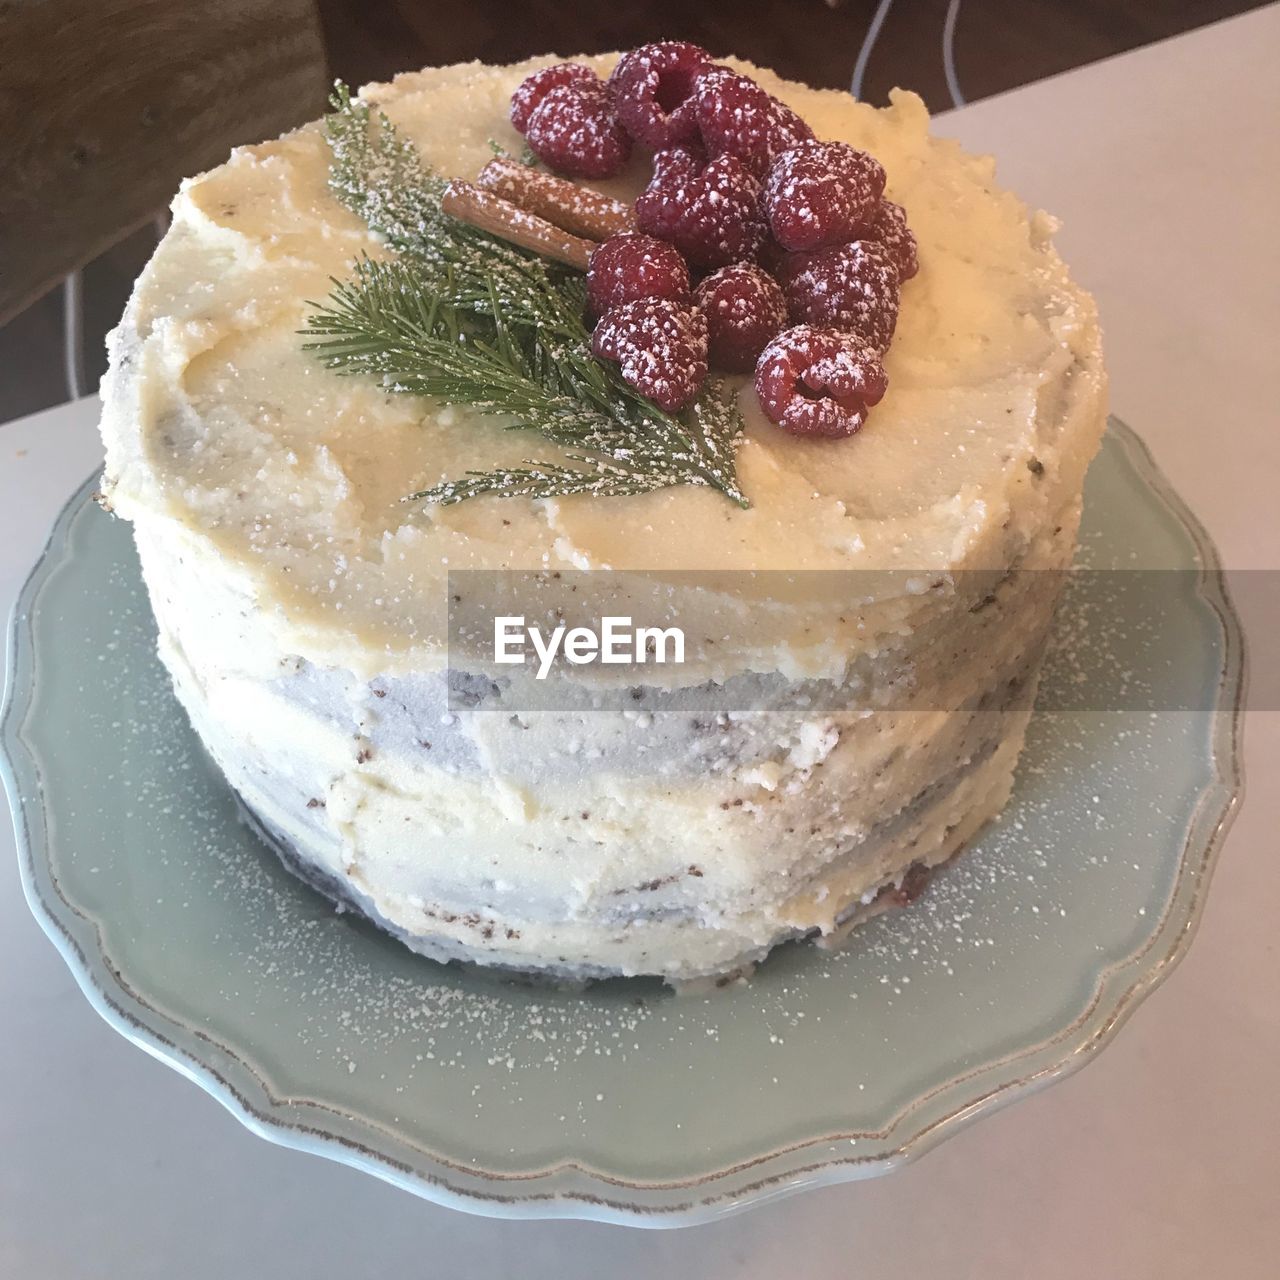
(824, 400)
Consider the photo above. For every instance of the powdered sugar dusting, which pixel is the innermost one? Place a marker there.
(629, 267)
(744, 307)
(660, 346)
(653, 86)
(822, 193)
(850, 286)
(819, 382)
(534, 88)
(889, 229)
(737, 117)
(512, 1077)
(575, 129)
(709, 210)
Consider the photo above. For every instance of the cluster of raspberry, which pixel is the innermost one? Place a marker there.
(797, 256)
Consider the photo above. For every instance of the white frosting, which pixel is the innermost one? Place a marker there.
(302, 604)
(223, 423)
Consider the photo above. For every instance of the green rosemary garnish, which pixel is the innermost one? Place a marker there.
(462, 316)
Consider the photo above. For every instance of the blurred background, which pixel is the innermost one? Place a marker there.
(107, 104)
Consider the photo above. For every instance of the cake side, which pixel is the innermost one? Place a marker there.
(681, 840)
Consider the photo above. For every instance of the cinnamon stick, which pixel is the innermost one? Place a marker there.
(509, 222)
(575, 209)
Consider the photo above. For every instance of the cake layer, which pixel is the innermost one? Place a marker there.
(682, 943)
(631, 860)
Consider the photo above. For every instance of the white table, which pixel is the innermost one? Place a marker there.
(1162, 1159)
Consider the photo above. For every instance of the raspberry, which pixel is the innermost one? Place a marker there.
(536, 87)
(851, 286)
(653, 86)
(819, 382)
(736, 117)
(744, 308)
(889, 230)
(660, 204)
(575, 129)
(712, 215)
(631, 266)
(822, 193)
(660, 346)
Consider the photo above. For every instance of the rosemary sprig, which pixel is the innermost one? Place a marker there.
(463, 317)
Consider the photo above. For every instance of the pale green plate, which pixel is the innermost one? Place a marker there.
(627, 1103)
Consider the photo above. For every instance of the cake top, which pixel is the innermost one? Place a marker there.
(217, 418)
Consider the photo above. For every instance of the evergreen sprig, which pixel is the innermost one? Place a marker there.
(468, 319)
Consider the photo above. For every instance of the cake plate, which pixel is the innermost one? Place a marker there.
(624, 1102)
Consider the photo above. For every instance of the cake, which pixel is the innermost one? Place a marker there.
(864, 629)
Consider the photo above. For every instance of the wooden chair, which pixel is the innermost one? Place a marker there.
(105, 105)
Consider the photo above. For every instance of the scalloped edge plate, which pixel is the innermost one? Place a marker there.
(570, 1189)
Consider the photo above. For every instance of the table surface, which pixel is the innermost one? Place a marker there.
(1162, 1158)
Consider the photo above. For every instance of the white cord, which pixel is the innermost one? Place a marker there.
(72, 343)
(868, 43)
(73, 322)
(949, 53)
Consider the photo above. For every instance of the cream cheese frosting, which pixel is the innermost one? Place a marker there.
(303, 605)
(220, 421)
